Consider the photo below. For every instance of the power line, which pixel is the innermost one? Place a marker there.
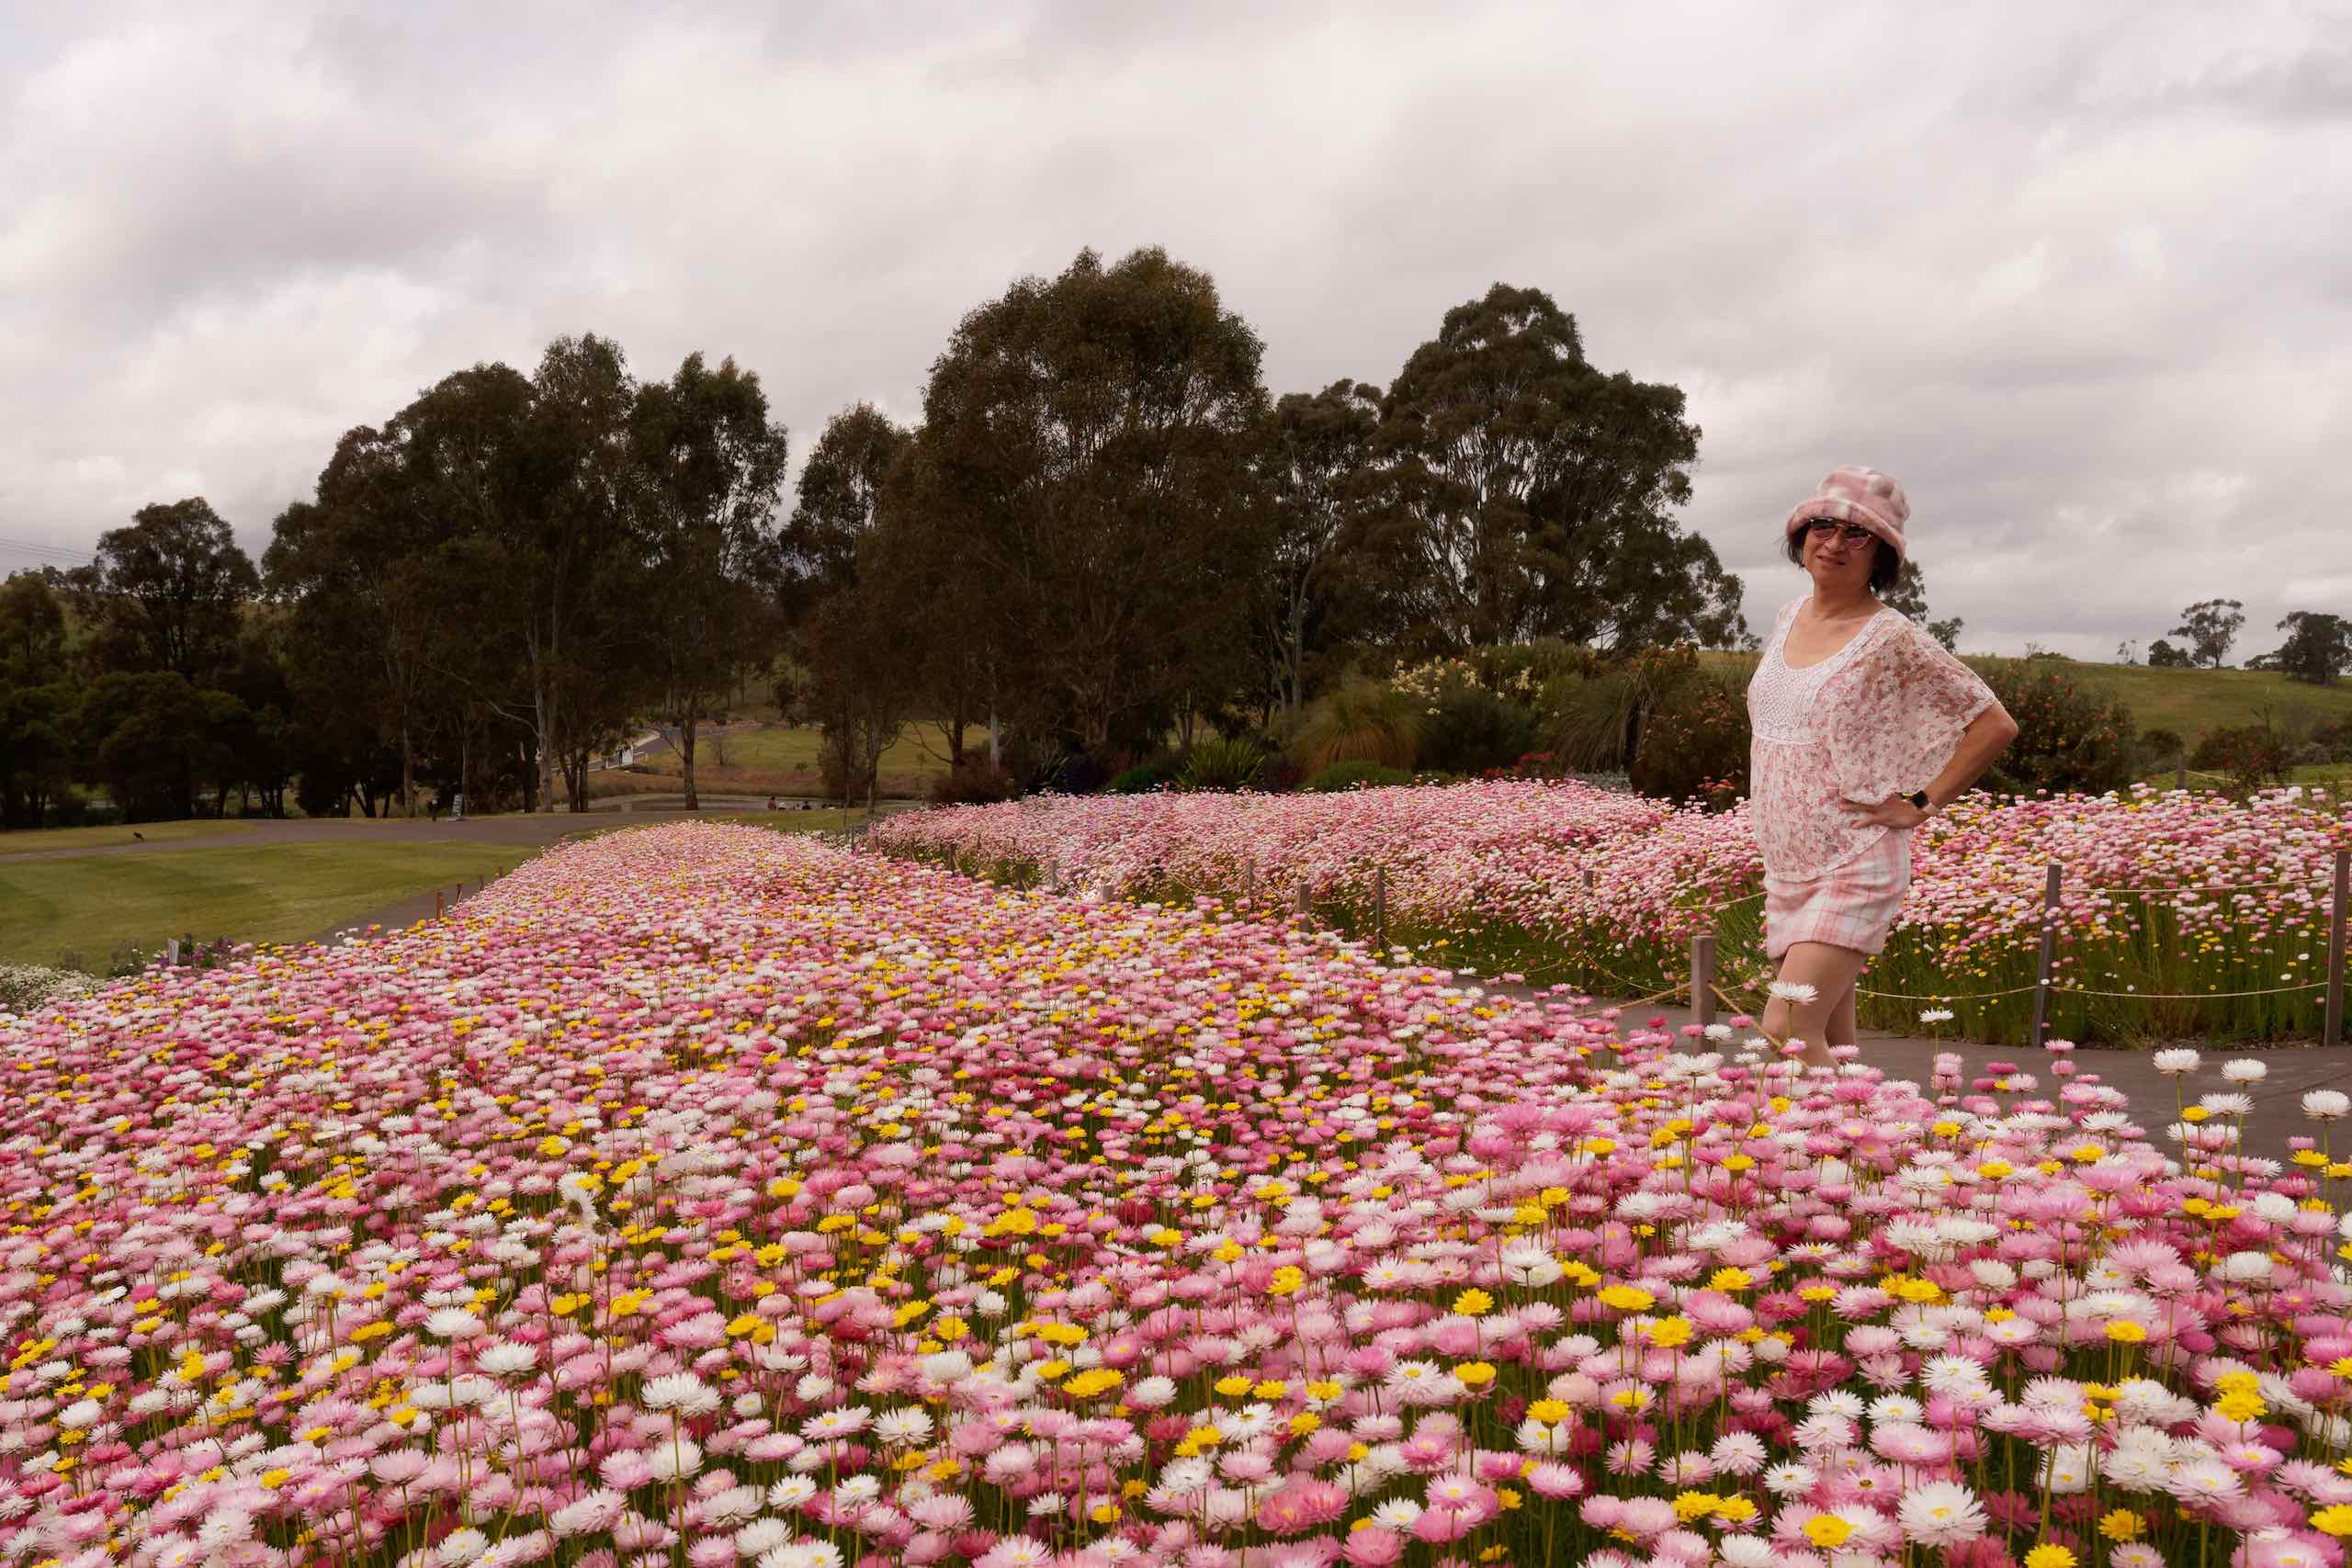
(41, 551)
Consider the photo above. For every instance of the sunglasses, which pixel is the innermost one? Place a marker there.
(1852, 532)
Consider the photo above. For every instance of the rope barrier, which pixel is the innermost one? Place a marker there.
(2209, 887)
(1942, 995)
(2190, 996)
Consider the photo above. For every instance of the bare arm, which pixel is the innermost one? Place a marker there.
(1987, 736)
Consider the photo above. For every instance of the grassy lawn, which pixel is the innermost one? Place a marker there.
(25, 840)
(76, 913)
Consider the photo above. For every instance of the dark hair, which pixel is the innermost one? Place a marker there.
(1884, 566)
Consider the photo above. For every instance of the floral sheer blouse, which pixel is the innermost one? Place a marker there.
(1879, 718)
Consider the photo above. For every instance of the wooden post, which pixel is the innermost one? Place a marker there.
(436, 904)
(2181, 771)
(1591, 877)
(1703, 979)
(1305, 904)
(2333, 1033)
(2049, 939)
(1380, 908)
(172, 953)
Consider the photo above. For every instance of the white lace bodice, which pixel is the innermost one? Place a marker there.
(1780, 699)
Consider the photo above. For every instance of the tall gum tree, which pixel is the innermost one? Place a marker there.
(851, 612)
(1093, 435)
(1525, 493)
(712, 467)
(360, 570)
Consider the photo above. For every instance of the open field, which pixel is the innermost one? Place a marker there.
(76, 913)
(1086, 1209)
(777, 760)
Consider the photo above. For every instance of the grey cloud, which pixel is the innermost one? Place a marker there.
(2077, 274)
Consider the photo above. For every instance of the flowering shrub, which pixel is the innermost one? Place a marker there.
(1562, 881)
(704, 1195)
(26, 986)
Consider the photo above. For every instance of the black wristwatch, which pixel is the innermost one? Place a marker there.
(1917, 798)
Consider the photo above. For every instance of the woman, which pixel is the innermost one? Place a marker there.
(1864, 728)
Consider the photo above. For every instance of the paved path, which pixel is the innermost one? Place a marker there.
(2278, 1098)
(535, 830)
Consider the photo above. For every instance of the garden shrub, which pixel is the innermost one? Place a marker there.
(1360, 721)
(1223, 764)
(976, 782)
(2160, 748)
(1474, 730)
(2249, 753)
(2069, 737)
(1347, 775)
(1694, 742)
(1583, 719)
(1154, 772)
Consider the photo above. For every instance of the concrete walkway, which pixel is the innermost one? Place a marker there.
(535, 830)
(2278, 1098)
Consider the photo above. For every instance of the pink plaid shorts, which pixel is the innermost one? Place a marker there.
(1850, 905)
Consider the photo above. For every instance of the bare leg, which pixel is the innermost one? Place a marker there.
(1831, 971)
(1840, 1028)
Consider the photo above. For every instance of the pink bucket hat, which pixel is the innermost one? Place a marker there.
(1853, 494)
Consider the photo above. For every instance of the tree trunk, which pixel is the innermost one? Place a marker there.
(543, 720)
(686, 756)
(408, 770)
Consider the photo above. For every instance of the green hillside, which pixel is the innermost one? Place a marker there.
(2187, 702)
(2192, 702)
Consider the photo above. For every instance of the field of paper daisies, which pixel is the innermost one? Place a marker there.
(706, 1196)
(2182, 914)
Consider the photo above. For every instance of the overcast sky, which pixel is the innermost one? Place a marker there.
(2079, 275)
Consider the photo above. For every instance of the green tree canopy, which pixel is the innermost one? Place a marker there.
(1316, 458)
(2210, 625)
(711, 464)
(1526, 493)
(2318, 647)
(1093, 437)
(165, 593)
